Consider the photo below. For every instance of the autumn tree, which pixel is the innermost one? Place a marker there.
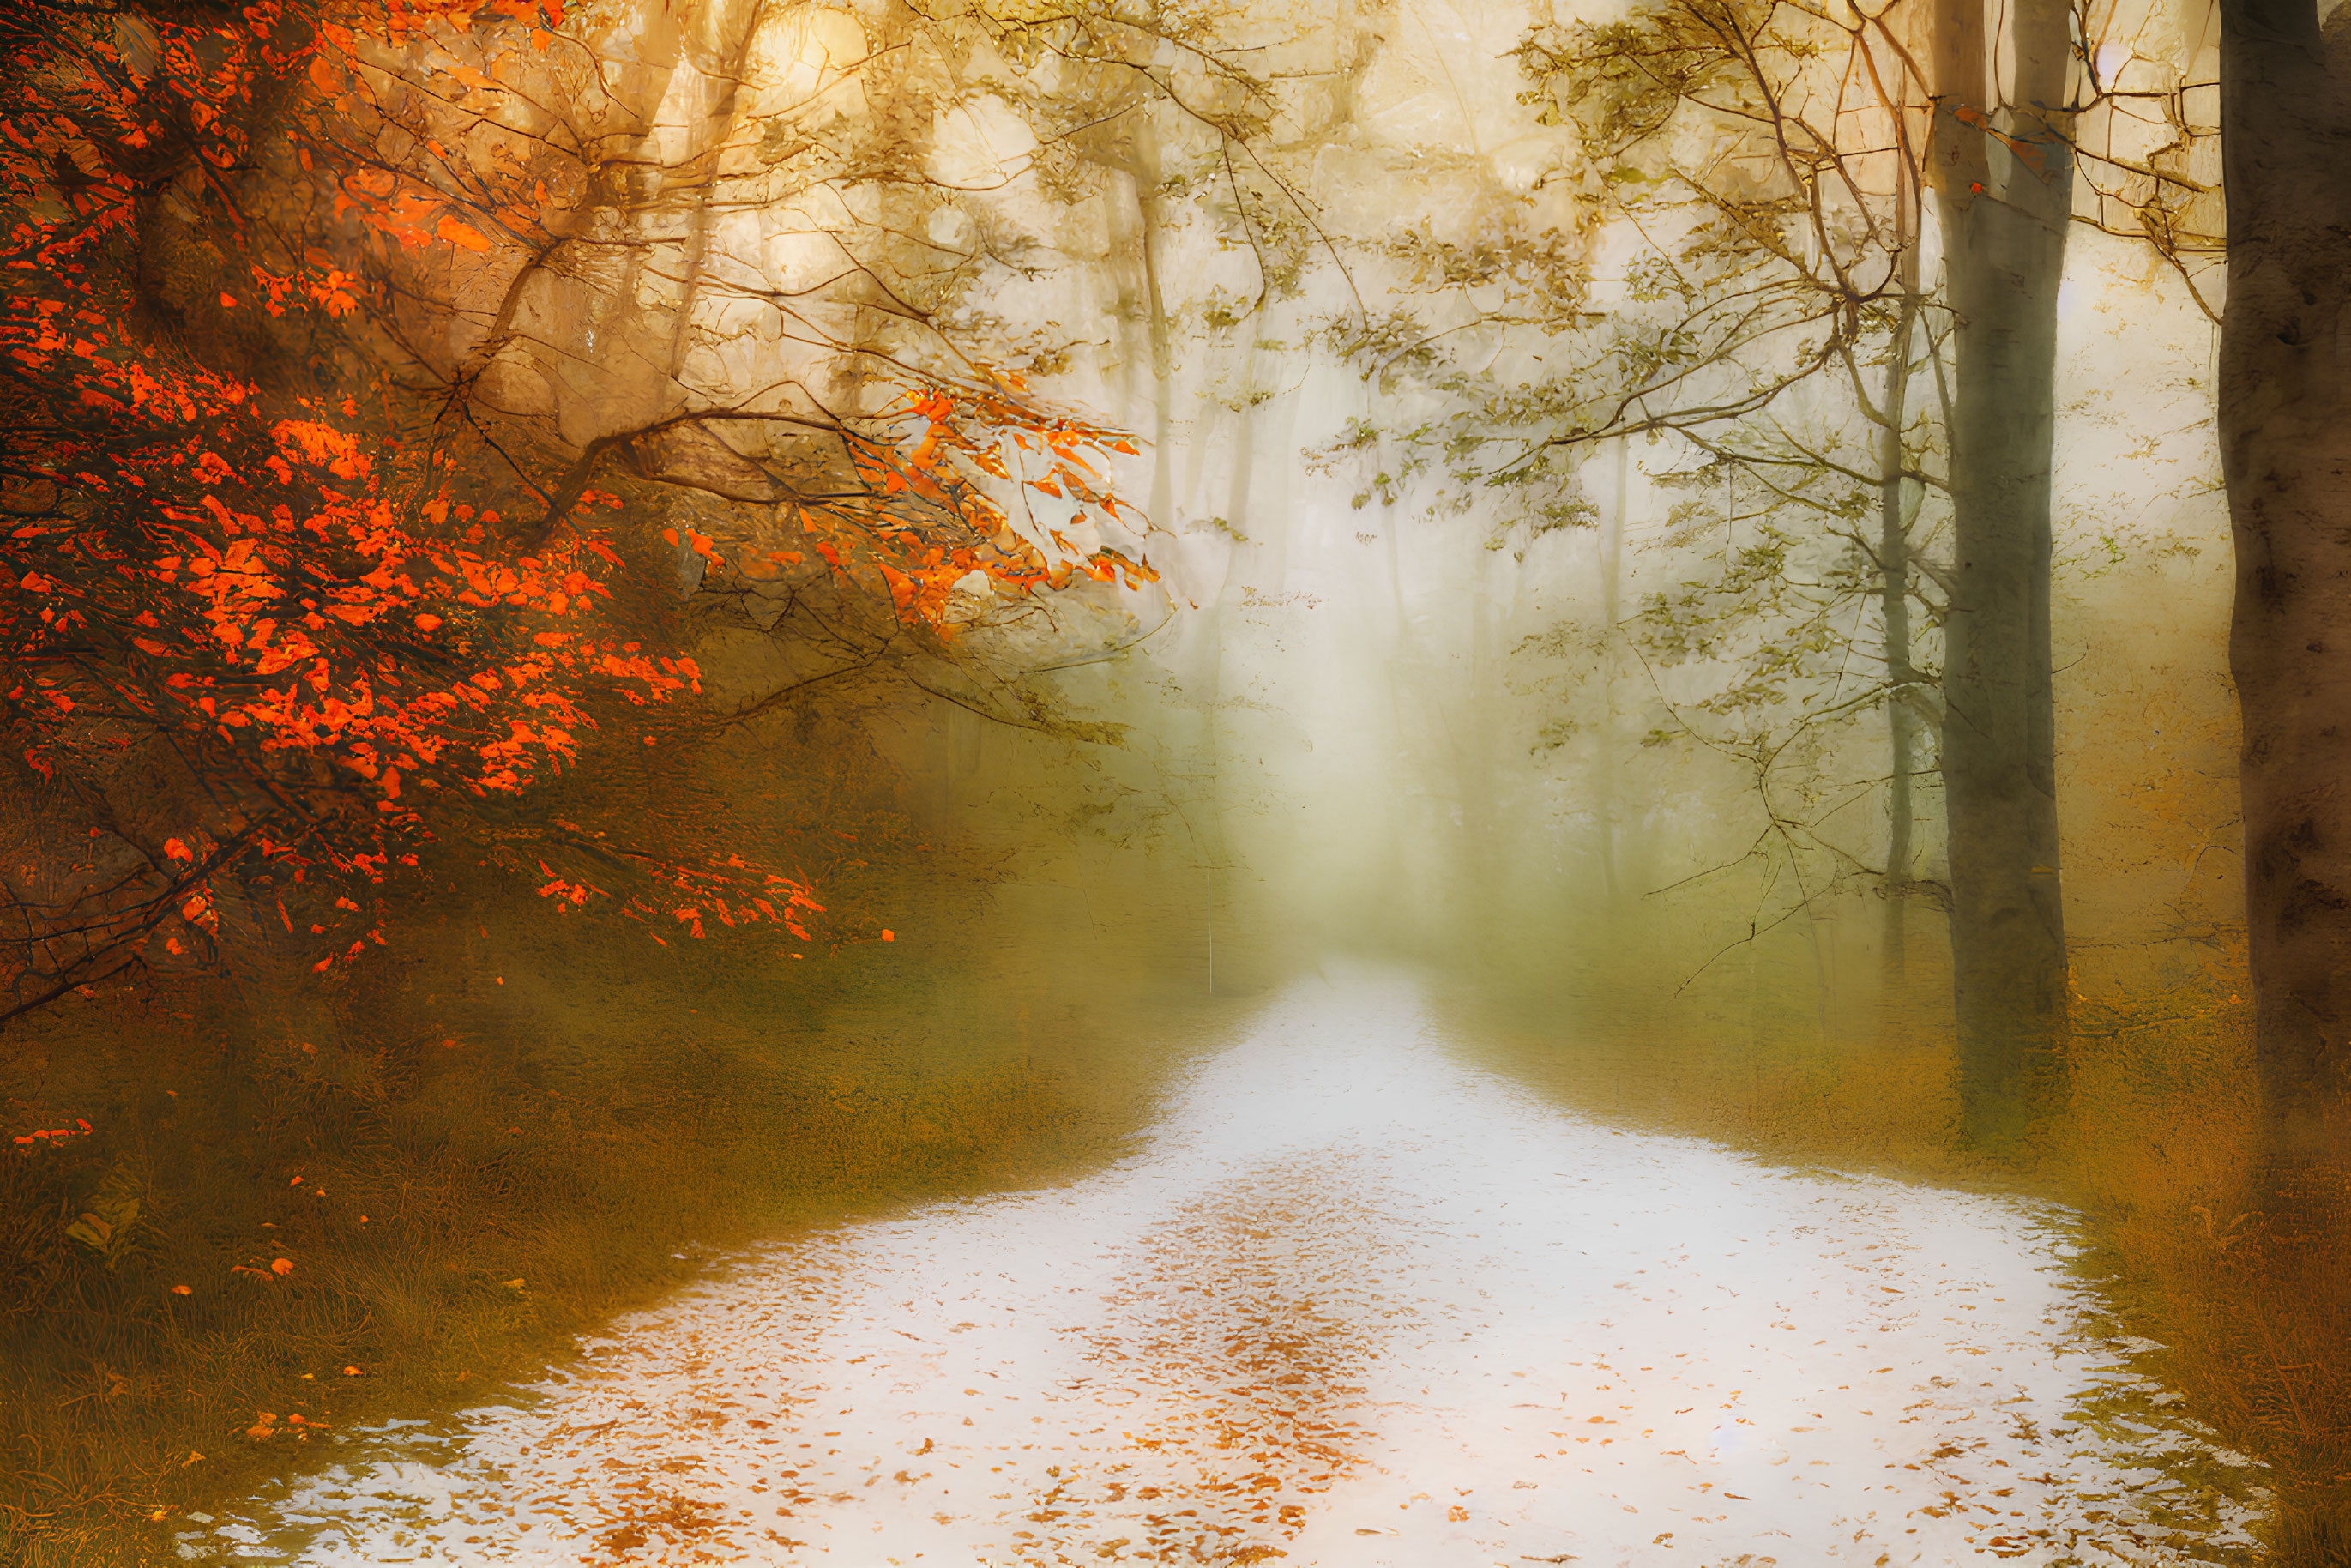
(2001, 157)
(354, 356)
(2036, 106)
(1768, 341)
(2285, 89)
(1775, 171)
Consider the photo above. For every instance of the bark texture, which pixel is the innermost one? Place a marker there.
(2004, 180)
(2285, 443)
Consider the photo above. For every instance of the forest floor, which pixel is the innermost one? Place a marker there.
(495, 1149)
(1354, 1302)
(2236, 1295)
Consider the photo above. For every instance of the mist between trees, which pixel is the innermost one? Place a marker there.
(1703, 521)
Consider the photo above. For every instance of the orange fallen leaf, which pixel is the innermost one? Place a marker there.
(465, 234)
(181, 1290)
(282, 1266)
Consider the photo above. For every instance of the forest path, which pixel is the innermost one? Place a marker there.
(1354, 1304)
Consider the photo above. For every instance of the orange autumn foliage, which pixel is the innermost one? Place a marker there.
(258, 603)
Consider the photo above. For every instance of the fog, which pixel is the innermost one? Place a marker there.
(1402, 715)
(1311, 686)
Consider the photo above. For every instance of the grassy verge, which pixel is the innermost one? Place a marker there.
(310, 1216)
(2250, 1296)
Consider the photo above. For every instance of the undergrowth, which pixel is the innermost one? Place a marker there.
(286, 1221)
(2243, 1286)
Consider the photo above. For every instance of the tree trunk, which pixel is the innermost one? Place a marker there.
(1611, 615)
(2285, 447)
(2005, 202)
(1894, 609)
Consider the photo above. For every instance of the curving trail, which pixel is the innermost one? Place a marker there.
(1355, 1304)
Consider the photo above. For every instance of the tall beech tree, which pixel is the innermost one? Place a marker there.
(2285, 445)
(2001, 164)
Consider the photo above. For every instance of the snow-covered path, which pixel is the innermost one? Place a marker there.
(1354, 1304)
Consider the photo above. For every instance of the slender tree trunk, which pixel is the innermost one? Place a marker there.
(1143, 168)
(1894, 609)
(2005, 203)
(2285, 448)
(1612, 614)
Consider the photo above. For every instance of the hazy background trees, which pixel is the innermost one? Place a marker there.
(1701, 523)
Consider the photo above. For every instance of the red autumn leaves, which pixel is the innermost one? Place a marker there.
(270, 584)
